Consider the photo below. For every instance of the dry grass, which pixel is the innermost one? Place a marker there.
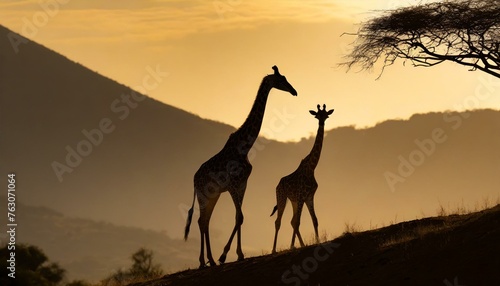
(395, 221)
(311, 240)
(352, 228)
(402, 237)
(422, 230)
(417, 233)
(323, 236)
(461, 208)
(373, 226)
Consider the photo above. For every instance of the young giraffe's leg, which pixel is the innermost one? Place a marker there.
(297, 210)
(300, 205)
(207, 206)
(310, 207)
(281, 204)
(238, 200)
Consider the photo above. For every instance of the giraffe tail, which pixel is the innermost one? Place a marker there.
(189, 218)
(274, 210)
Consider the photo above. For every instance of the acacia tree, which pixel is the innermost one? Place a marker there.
(466, 32)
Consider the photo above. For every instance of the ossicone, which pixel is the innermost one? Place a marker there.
(276, 70)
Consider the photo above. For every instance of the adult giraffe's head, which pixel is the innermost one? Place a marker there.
(279, 81)
(321, 114)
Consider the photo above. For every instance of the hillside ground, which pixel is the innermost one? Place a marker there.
(444, 250)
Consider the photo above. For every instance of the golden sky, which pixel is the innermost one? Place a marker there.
(216, 53)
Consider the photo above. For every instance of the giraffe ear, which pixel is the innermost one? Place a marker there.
(330, 111)
(313, 112)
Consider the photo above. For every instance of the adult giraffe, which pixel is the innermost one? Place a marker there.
(229, 170)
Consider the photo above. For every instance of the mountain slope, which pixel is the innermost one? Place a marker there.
(453, 250)
(48, 102)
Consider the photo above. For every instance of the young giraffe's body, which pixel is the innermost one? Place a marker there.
(300, 186)
(229, 170)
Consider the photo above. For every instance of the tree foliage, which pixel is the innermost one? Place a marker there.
(466, 32)
(142, 268)
(32, 268)
(143, 264)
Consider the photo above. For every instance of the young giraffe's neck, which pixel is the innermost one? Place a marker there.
(248, 132)
(312, 159)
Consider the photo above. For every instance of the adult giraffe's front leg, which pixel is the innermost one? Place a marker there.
(297, 211)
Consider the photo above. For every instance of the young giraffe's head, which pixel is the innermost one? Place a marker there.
(279, 81)
(321, 114)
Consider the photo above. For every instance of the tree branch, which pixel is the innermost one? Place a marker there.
(466, 32)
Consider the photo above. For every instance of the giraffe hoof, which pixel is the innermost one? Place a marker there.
(212, 263)
(222, 259)
(241, 256)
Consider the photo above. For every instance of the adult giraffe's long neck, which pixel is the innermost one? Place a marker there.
(249, 131)
(313, 157)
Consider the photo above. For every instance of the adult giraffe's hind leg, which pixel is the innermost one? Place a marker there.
(207, 206)
(238, 200)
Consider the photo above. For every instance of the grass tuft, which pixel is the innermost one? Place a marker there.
(417, 233)
(351, 228)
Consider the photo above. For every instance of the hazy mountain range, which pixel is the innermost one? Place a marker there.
(137, 170)
(95, 249)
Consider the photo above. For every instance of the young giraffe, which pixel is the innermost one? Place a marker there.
(229, 170)
(299, 187)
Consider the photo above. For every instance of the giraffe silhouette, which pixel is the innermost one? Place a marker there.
(300, 186)
(229, 170)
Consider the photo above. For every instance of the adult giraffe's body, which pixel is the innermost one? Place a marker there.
(229, 170)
